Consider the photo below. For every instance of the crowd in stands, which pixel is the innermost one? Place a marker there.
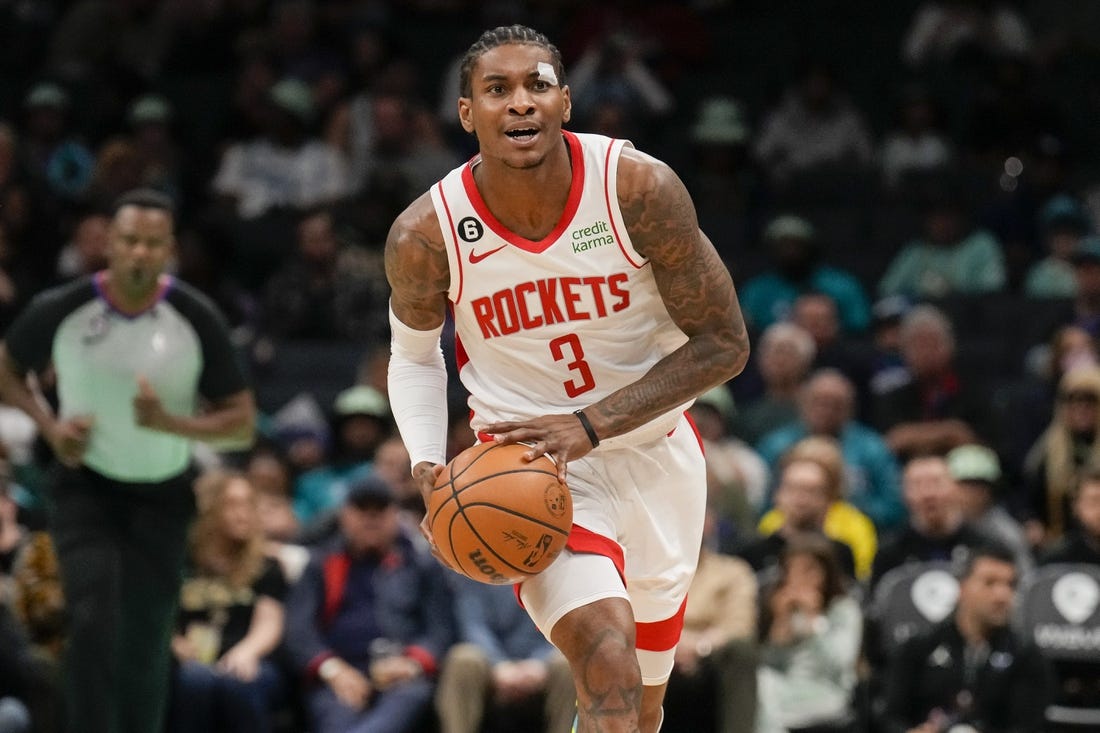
(907, 195)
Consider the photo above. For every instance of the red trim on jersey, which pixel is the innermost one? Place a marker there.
(454, 239)
(610, 213)
(660, 636)
(694, 429)
(576, 188)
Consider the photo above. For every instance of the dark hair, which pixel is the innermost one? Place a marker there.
(821, 549)
(990, 550)
(503, 36)
(145, 198)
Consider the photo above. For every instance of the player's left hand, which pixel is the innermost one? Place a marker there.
(562, 437)
(148, 409)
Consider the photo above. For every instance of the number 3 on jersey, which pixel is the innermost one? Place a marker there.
(584, 380)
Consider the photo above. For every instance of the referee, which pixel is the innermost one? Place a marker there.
(144, 366)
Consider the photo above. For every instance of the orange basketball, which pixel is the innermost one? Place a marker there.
(497, 518)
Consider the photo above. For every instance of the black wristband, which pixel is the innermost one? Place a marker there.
(595, 439)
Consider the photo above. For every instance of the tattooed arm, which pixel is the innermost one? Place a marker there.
(697, 291)
(416, 266)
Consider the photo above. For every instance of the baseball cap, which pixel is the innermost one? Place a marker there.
(721, 122)
(293, 96)
(370, 492)
(720, 399)
(361, 400)
(149, 108)
(47, 94)
(789, 226)
(974, 463)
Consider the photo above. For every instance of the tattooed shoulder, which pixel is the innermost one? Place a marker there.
(656, 207)
(416, 264)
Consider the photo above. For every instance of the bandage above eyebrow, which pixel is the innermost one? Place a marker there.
(546, 73)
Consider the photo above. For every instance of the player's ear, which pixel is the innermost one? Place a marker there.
(567, 109)
(465, 114)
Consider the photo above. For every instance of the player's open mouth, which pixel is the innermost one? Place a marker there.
(523, 135)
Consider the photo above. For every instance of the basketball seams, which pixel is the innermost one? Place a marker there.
(505, 510)
(485, 546)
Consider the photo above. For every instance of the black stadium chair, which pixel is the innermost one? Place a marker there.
(1059, 608)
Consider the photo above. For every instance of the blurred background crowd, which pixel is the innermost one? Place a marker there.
(906, 193)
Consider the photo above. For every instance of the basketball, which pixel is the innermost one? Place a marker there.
(497, 518)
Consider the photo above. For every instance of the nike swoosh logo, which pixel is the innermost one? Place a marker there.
(476, 258)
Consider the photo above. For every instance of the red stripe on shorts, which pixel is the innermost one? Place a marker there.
(660, 636)
(586, 541)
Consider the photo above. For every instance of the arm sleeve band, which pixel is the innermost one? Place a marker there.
(418, 391)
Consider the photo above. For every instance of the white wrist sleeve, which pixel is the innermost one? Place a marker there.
(418, 391)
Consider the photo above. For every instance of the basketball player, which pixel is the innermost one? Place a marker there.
(589, 312)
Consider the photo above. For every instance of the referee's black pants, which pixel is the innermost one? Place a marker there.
(121, 549)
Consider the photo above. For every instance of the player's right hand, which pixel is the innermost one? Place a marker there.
(69, 438)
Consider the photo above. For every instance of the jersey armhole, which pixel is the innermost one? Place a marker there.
(611, 200)
(450, 239)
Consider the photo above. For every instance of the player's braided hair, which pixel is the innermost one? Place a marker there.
(502, 36)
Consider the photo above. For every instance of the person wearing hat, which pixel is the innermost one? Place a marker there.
(1063, 223)
(1085, 309)
(52, 155)
(369, 621)
(950, 256)
(723, 179)
(977, 472)
(797, 269)
(360, 421)
(150, 118)
(287, 165)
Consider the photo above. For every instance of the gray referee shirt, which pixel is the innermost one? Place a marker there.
(180, 344)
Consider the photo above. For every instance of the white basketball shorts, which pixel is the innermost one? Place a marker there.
(637, 527)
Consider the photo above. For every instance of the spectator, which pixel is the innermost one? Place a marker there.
(797, 269)
(948, 257)
(360, 421)
(86, 251)
(1082, 543)
(819, 315)
(917, 143)
(783, 359)
(713, 682)
(231, 615)
(813, 126)
(57, 162)
(1085, 311)
(321, 291)
(1063, 223)
(810, 639)
(369, 622)
(887, 367)
(937, 528)
(502, 668)
(723, 180)
(807, 488)
(935, 409)
(948, 31)
(1069, 444)
(737, 477)
(827, 407)
(286, 166)
(268, 470)
(977, 471)
(613, 66)
(843, 521)
(973, 669)
(150, 118)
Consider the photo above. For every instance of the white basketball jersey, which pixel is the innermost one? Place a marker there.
(555, 325)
